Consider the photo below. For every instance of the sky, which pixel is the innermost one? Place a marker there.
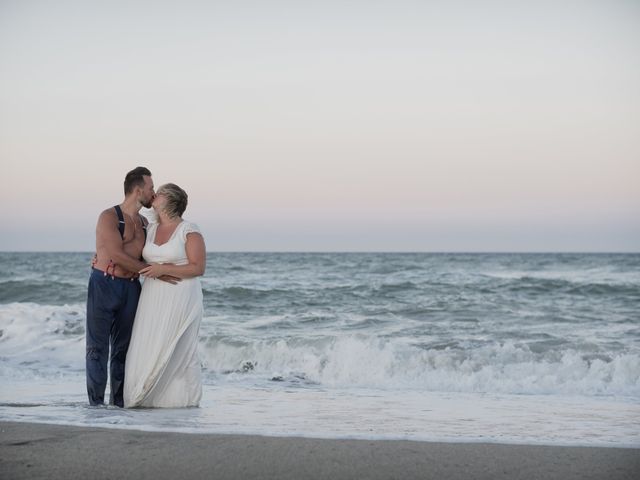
(327, 126)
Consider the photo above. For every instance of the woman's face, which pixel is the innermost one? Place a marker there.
(159, 202)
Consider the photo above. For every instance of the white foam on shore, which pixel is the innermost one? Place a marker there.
(349, 386)
(356, 413)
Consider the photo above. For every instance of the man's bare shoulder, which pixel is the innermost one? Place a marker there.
(108, 216)
(108, 212)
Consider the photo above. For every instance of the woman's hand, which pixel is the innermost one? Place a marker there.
(154, 271)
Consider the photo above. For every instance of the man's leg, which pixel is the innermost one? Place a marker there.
(120, 338)
(99, 321)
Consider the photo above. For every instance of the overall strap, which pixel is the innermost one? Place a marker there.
(121, 221)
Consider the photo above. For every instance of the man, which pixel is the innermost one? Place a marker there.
(114, 287)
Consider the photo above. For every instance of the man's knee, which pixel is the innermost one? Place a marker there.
(95, 353)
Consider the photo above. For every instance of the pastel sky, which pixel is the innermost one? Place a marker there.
(327, 126)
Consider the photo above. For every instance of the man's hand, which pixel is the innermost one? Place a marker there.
(158, 270)
(170, 279)
(154, 270)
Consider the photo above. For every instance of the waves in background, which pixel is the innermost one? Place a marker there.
(510, 323)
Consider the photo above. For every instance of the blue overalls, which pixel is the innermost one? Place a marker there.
(111, 309)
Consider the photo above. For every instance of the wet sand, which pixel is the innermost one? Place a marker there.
(30, 450)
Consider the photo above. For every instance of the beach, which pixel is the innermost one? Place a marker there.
(30, 450)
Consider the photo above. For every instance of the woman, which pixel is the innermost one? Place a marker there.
(162, 368)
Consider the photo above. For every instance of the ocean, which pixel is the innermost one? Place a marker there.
(511, 348)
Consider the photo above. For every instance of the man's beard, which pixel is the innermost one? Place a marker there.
(147, 203)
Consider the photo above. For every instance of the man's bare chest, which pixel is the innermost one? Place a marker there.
(134, 232)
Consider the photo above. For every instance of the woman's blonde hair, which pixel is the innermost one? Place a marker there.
(176, 199)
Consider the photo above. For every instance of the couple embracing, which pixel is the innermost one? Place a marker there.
(148, 333)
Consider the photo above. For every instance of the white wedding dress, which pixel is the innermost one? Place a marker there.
(162, 367)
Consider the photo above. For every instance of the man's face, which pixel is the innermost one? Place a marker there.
(147, 192)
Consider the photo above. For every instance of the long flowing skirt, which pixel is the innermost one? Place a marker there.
(162, 367)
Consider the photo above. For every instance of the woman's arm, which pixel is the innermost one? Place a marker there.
(196, 254)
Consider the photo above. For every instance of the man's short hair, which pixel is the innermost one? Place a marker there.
(134, 179)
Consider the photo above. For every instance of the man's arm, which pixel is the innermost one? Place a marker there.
(108, 239)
